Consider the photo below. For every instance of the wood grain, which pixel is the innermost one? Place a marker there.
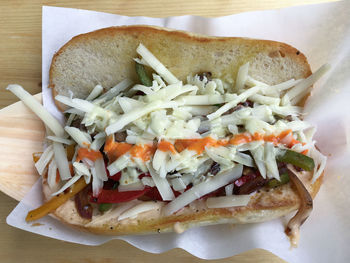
(21, 133)
(20, 62)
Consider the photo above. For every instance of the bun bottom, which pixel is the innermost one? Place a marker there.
(265, 205)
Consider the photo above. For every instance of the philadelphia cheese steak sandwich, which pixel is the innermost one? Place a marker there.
(166, 130)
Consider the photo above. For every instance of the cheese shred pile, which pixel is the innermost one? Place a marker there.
(175, 131)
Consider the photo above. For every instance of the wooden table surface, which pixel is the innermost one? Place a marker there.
(20, 62)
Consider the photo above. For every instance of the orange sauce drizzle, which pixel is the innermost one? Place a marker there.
(144, 152)
(115, 149)
(89, 154)
(198, 145)
(241, 138)
(165, 146)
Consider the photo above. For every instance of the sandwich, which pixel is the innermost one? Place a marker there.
(166, 130)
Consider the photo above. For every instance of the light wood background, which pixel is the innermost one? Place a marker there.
(20, 62)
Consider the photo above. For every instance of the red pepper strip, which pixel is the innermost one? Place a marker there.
(144, 175)
(115, 177)
(114, 196)
(154, 194)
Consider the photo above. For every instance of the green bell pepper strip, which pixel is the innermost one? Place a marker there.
(142, 74)
(284, 178)
(104, 207)
(297, 159)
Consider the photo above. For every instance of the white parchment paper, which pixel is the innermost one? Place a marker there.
(322, 33)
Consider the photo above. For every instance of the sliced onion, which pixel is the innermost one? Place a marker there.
(38, 109)
(61, 161)
(140, 208)
(228, 201)
(305, 208)
(45, 158)
(203, 188)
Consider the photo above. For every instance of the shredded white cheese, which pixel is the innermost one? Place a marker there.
(45, 158)
(228, 201)
(37, 108)
(154, 63)
(169, 110)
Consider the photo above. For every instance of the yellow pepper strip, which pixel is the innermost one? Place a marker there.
(56, 201)
(36, 156)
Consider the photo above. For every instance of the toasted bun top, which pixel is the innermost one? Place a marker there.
(106, 57)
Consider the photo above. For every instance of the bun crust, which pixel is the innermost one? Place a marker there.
(106, 57)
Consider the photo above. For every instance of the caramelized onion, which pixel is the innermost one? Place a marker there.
(306, 204)
(82, 203)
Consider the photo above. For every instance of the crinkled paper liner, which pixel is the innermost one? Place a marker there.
(322, 33)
